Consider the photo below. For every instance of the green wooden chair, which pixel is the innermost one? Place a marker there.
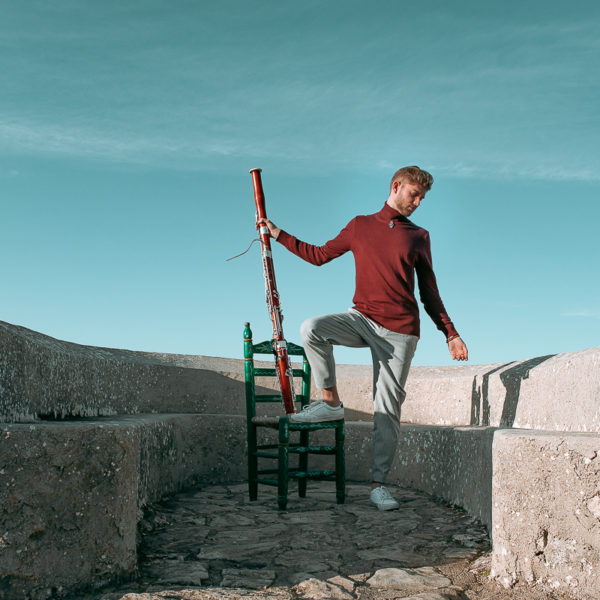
(285, 443)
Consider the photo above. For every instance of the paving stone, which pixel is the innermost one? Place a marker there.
(426, 577)
(343, 582)
(237, 551)
(231, 519)
(297, 578)
(294, 559)
(248, 578)
(458, 553)
(315, 516)
(177, 571)
(271, 530)
(241, 547)
(315, 589)
(396, 553)
(321, 566)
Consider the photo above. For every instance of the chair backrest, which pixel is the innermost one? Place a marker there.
(251, 371)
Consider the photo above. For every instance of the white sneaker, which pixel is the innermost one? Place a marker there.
(382, 499)
(318, 412)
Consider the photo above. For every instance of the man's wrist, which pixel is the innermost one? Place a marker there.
(452, 337)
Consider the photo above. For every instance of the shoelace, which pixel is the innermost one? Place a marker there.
(383, 493)
(312, 405)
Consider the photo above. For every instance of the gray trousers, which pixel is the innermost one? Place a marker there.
(392, 354)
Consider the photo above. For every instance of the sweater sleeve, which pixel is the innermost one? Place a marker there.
(429, 293)
(319, 255)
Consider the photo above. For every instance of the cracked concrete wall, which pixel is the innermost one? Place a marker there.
(546, 512)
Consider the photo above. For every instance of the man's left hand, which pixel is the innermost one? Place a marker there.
(458, 350)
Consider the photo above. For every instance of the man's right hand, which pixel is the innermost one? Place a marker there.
(458, 349)
(274, 231)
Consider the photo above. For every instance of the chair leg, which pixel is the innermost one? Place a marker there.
(252, 464)
(303, 464)
(340, 464)
(282, 470)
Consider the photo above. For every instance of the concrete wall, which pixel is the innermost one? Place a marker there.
(546, 511)
(71, 493)
(44, 377)
(495, 439)
(41, 376)
(556, 392)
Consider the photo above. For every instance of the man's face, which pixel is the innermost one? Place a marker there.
(406, 197)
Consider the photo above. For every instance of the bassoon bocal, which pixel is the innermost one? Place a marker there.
(284, 369)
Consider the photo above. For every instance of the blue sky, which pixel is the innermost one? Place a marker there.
(127, 130)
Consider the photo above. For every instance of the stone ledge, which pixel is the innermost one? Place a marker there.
(550, 393)
(42, 376)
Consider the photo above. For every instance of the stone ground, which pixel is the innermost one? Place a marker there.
(214, 544)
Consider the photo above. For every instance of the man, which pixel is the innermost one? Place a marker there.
(388, 250)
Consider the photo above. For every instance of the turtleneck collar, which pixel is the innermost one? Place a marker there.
(387, 213)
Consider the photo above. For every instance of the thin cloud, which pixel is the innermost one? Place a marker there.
(497, 100)
(583, 313)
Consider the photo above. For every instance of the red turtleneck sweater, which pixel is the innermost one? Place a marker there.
(386, 259)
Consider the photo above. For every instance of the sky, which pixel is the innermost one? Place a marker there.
(127, 130)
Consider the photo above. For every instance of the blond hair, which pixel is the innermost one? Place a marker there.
(413, 174)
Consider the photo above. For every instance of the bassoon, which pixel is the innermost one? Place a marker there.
(284, 369)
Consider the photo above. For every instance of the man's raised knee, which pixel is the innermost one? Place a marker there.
(307, 328)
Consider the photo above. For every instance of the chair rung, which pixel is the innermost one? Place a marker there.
(265, 372)
(268, 397)
(312, 474)
(260, 454)
(271, 372)
(317, 426)
(267, 481)
(296, 474)
(312, 449)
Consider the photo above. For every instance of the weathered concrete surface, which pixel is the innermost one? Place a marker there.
(454, 463)
(44, 377)
(41, 376)
(71, 492)
(556, 393)
(93, 477)
(553, 393)
(546, 513)
(68, 507)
